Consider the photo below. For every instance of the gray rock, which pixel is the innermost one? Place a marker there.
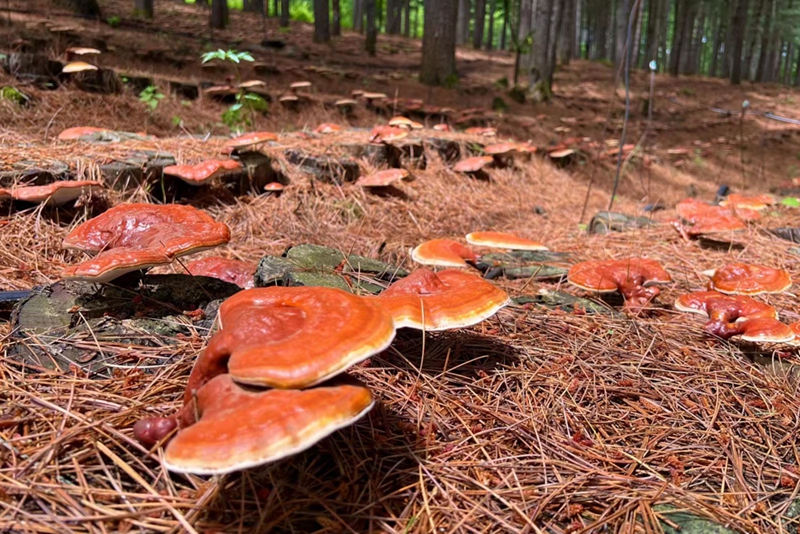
(564, 301)
(524, 264)
(324, 168)
(606, 222)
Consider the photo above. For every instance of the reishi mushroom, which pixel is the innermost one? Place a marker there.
(473, 165)
(203, 172)
(749, 279)
(736, 315)
(130, 237)
(250, 139)
(739, 201)
(291, 337)
(503, 240)
(440, 301)
(632, 277)
(382, 179)
(228, 427)
(443, 253)
(234, 271)
(78, 131)
(56, 193)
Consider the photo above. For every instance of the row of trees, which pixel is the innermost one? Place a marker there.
(757, 40)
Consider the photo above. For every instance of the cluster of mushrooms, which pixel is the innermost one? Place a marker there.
(269, 383)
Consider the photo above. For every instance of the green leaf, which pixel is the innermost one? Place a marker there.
(792, 202)
(237, 106)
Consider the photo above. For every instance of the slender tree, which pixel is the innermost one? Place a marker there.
(322, 29)
(336, 23)
(462, 23)
(490, 29)
(284, 21)
(738, 25)
(144, 8)
(439, 42)
(480, 21)
(541, 71)
(372, 29)
(219, 14)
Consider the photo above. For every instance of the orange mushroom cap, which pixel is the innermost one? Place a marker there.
(56, 194)
(481, 131)
(78, 132)
(275, 187)
(440, 301)
(503, 240)
(5, 194)
(292, 337)
(443, 253)
(382, 178)
(796, 331)
(756, 202)
(77, 66)
(473, 164)
(130, 237)
(240, 428)
(203, 172)
(386, 134)
(234, 271)
(251, 139)
(502, 149)
(631, 277)
(327, 128)
(749, 279)
(765, 330)
(401, 122)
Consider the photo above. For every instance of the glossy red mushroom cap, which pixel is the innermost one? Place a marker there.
(440, 301)
(749, 279)
(203, 172)
(56, 193)
(503, 240)
(631, 277)
(443, 253)
(236, 272)
(383, 178)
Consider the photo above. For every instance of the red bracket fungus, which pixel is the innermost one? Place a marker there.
(736, 315)
(250, 139)
(632, 277)
(440, 301)
(291, 337)
(473, 165)
(708, 219)
(444, 253)
(503, 240)
(202, 173)
(738, 201)
(327, 128)
(55, 194)
(130, 237)
(386, 134)
(383, 178)
(239, 428)
(77, 132)
(236, 272)
(749, 279)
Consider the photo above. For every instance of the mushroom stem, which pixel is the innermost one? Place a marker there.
(724, 330)
(636, 295)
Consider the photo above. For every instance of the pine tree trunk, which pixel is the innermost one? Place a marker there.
(637, 35)
(556, 25)
(718, 29)
(787, 64)
(462, 29)
(578, 29)
(322, 29)
(407, 18)
(504, 30)
(541, 71)
(752, 34)
(336, 23)
(372, 29)
(439, 42)
(692, 31)
(285, 12)
(524, 26)
(358, 16)
(739, 22)
(621, 32)
(490, 30)
(480, 22)
(678, 37)
(566, 34)
(602, 25)
(766, 38)
(144, 8)
(219, 14)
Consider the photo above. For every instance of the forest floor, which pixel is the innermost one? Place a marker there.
(537, 420)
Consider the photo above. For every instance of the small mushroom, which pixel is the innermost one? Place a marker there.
(633, 278)
(386, 134)
(482, 132)
(327, 128)
(739, 201)
(382, 179)
(229, 427)
(749, 279)
(77, 66)
(440, 301)
(444, 253)
(346, 105)
(250, 84)
(250, 140)
(474, 166)
(204, 172)
(296, 87)
(274, 187)
(736, 315)
(56, 193)
(131, 237)
(291, 337)
(503, 240)
(401, 122)
(77, 132)
(73, 51)
(236, 272)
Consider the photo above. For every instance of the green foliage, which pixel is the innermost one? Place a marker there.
(227, 55)
(498, 104)
(176, 120)
(113, 21)
(502, 82)
(450, 81)
(243, 111)
(151, 96)
(792, 202)
(12, 94)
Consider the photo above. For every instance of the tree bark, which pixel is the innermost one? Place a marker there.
(372, 29)
(336, 23)
(407, 18)
(504, 30)
(480, 22)
(462, 24)
(439, 42)
(285, 12)
(219, 14)
(490, 30)
(622, 16)
(766, 38)
(524, 26)
(678, 37)
(718, 29)
(358, 16)
(739, 21)
(566, 33)
(322, 29)
(541, 71)
(252, 6)
(144, 8)
(752, 31)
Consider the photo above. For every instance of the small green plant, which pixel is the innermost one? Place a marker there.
(451, 80)
(792, 202)
(284, 29)
(151, 96)
(227, 55)
(242, 112)
(176, 120)
(502, 82)
(13, 95)
(687, 91)
(113, 21)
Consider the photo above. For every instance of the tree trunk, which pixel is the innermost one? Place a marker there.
(718, 29)
(285, 12)
(439, 42)
(252, 6)
(766, 38)
(462, 24)
(358, 16)
(622, 16)
(602, 19)
(504, 30)
(219, 14)
(524, 26)
(144, 8)
(566, 34)
(557, 20)
(322, 30)
(407, 18)
(637, 35)
(577, 29)
(677, 37)
(541, 71)
(787, 65)
(739, 21)
(752, 31)
(372, 28)
(490, 30)
(336, 23)
(693, 32)
(480, 22)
